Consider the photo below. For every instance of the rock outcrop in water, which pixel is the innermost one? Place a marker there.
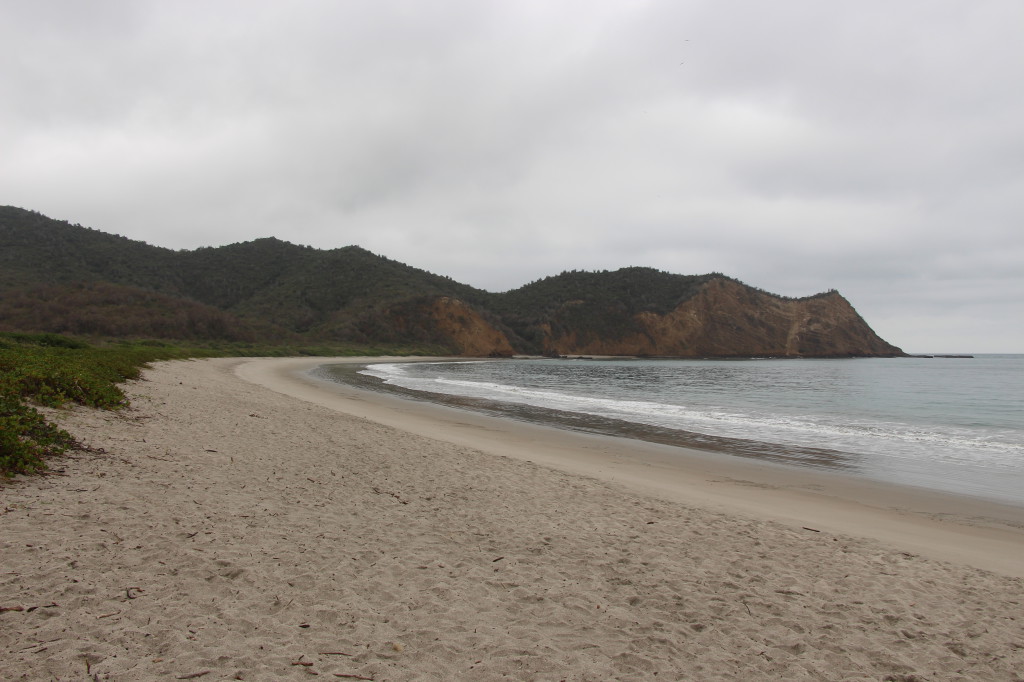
(58, 277)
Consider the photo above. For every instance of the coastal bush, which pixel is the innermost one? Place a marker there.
(51, 370)
(26, 437)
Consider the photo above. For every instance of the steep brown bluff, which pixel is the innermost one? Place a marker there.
(59, 277)
(726, 318)
(472, 334)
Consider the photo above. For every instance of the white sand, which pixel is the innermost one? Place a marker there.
(243, 533)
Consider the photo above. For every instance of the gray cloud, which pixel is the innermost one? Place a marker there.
(876, 148)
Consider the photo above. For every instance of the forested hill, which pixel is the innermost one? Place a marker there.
(65, 278)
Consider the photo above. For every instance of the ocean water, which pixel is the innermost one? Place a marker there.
(955, 425)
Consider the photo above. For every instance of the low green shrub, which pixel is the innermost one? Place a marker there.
(43, 370)
(51, 340)
(26, 437)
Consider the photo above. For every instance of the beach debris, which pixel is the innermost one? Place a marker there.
(128, 592)
(192, 676)
(352, 677)
(388, 492)
(333, 653)
(118, 539)
(814, 530)
(162, 459)
(299, 661)
(28, 609)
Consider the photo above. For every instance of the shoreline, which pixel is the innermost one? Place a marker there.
(978, 532)
(753, 443)
(222, 529)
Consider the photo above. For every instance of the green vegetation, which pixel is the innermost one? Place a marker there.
(52, 370)
(597, 305)
(63, 278)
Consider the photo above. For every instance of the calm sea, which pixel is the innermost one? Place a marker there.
(955, 425)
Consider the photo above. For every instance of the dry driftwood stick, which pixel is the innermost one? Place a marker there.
(37, 644)
(388, 492)
(193, 676)
(51, 605)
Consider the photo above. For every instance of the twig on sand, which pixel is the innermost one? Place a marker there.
(388, 492)
(334, 653)
(193, 676)
(29, 609)
(353, 677)
(38, 644)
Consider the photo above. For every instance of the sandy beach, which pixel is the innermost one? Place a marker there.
(240, 521)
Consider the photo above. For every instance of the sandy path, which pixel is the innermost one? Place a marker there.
(240, 533)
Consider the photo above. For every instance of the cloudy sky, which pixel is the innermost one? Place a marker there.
(874, 147)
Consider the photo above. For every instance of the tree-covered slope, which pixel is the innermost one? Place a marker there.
(59, 277)
(36, 250)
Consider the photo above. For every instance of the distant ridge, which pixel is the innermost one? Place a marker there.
(65, 278)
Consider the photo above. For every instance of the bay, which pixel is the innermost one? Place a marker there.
(955, 425)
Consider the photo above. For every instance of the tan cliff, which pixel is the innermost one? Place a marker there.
(726, 318)
(468, 330)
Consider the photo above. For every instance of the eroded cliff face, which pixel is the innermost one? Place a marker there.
(468, 330)
(727, 318)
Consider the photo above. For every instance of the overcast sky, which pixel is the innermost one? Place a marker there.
(874, 147)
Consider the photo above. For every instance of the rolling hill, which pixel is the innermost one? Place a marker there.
(64, 278)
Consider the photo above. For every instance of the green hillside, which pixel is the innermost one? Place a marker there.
(58, 277)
